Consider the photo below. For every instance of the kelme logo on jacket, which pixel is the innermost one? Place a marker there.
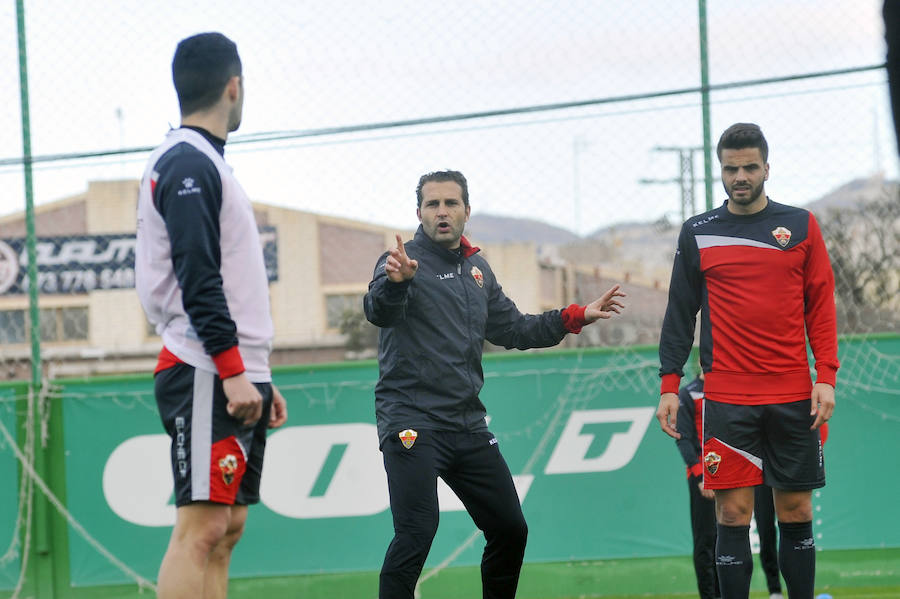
(782, 235)
(408, 437)
(476, 274)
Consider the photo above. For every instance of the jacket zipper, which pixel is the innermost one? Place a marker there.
(469, 335)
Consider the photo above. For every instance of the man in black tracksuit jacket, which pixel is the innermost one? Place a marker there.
(436, 301)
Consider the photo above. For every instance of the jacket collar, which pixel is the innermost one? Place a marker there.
(449, 255)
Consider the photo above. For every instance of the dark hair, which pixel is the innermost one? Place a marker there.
(440, 177)
(743, 135)
(201, 68)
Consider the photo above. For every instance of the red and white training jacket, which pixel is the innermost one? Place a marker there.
(762, 284)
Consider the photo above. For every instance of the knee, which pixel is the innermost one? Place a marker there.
(422, 528)
(414, 538)
(206, 536)
(796, 512)
(793, 506)
(512, 531)
(733, 514)
(233, 534)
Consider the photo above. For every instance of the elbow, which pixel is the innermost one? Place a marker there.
(377, 319)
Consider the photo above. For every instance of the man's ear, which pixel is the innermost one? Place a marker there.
(233, 88)
(419, 214)
(468, 212)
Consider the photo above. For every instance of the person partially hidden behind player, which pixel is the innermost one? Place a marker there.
(701, 500)
(437, 301)
(759, 273)
(202, 282)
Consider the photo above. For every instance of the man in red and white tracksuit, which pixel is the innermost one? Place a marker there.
(759, 274)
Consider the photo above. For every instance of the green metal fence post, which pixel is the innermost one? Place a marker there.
(42, 567)
(704, 94)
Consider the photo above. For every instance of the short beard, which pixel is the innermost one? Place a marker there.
(755, 192)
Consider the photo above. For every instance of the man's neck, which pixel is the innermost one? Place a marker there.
(210, 121)
(758, 205)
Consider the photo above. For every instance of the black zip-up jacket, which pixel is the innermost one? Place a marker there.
(433, 329)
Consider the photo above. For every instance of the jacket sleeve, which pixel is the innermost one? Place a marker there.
(508, 327)
(677, 335)
(385, 303)
(820, 313)
(688, 443)
(188, 196)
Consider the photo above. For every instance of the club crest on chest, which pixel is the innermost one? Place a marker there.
(478, 276)
(782, 235)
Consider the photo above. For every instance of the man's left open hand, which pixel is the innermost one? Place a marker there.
(604, 306)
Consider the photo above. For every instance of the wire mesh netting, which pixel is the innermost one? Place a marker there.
(578, 124)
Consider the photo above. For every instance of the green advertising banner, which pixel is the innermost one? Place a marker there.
(10, 547)
(596, 476)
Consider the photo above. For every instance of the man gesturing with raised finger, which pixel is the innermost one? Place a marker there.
(437, 301)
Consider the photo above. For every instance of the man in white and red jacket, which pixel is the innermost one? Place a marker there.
(202, 281)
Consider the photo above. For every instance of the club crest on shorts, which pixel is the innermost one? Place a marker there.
(408, 437)
(228, 465)
(712, 460)
(478, 276)
(782, 235)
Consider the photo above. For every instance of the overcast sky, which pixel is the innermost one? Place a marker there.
(99, 76)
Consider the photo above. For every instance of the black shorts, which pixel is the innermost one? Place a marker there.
(214, 456)
(744, 446)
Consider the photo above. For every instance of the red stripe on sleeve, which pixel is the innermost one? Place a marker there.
(229, 362)
(573, 318)
(670, 383)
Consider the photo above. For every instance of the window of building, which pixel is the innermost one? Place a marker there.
(336, 305)
(12, 326)
(74, 323)
(49, 325)
(57, 324)
(64, 324)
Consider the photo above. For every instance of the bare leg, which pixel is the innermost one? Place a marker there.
(199, 527)
(216, 581)
(793, 506)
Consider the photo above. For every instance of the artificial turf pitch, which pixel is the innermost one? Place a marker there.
(857, 574)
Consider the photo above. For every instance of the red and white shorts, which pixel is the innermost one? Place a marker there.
(747, 445)
(214, 456)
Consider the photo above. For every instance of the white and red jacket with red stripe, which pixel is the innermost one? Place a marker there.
(200, 273)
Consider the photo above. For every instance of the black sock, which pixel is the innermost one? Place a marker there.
(797, 558)
(734, 563)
